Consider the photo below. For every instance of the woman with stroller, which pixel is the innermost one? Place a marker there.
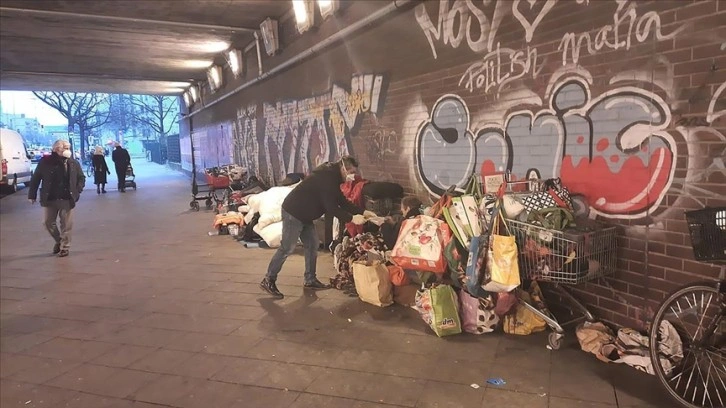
(100, 170)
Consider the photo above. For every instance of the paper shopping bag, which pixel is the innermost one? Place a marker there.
(373, 283)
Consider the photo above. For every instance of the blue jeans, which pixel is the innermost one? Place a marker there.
(292, 229)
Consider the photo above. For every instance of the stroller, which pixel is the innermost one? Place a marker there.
(130, 178)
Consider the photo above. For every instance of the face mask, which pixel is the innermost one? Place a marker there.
(66, 154)
(350, 177)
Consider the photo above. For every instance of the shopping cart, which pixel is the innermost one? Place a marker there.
(568, 257)
(209, 192)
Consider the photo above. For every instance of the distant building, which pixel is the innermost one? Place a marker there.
(30, 128)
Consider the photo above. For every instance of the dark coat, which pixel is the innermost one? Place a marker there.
(121, 158)
(320, 194)
(100, 169)
(46, 173)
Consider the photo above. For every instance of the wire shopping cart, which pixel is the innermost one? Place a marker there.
(559, 258)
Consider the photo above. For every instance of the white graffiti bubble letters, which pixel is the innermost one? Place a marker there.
(639, 29)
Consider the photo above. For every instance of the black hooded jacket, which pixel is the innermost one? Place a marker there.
(320, 194)
(390, 231)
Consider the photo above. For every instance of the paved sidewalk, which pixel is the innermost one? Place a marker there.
(150, 311)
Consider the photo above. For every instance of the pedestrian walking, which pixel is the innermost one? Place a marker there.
(62, 182)
(122, 160)
(100, 170)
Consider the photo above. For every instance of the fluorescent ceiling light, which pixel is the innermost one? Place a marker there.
(303, 14)
(187, 99)
(327, 7)
(214, 76)
(194, 92)
(234, 57)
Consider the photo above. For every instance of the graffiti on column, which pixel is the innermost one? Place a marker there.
(298, 135)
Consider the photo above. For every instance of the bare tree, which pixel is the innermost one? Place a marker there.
(82, 109)
(158, 112)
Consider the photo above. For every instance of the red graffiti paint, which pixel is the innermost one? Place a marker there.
(602, 144)
(624, 192)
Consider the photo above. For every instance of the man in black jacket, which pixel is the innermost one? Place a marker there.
(63, 182)
(122, 160)
(316, 195)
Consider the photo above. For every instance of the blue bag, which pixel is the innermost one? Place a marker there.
(475, 264)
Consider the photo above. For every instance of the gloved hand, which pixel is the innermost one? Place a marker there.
(359, 219)
(369, 214)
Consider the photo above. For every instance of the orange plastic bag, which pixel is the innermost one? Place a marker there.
(398, 276)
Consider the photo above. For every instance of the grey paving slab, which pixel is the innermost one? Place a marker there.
(150, 311)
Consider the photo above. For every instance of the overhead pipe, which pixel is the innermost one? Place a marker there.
(378, 14)
(52, 13)
(259, 54)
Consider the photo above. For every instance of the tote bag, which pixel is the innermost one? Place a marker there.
(420, 244)
(502, 272)
(439, 308)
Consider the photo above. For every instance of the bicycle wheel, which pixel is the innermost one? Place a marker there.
(89, 171)
(687, 346)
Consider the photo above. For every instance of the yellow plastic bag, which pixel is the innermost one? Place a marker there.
(523, 322)
(502, 274)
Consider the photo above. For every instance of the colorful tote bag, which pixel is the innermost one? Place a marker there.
(502, 272)
(420, 244)
(477, 314)
(439, 308)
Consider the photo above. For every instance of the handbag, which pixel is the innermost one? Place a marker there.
(477, 314)
(373, 283)
(439, 308)
(420, 244)
(502, 272)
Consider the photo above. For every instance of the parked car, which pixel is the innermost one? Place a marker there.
(14, 159)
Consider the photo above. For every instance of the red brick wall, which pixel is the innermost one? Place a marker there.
(632, 123)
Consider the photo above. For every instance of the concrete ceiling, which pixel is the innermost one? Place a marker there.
(122, 46)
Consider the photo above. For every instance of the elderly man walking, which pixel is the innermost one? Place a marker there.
(62, 182)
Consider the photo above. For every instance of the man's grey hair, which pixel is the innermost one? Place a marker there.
(60, 144)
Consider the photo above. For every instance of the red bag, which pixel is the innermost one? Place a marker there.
(398, 276)
(420, 244)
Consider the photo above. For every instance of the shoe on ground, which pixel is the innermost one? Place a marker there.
(63, 253)
(103, 191)
(316, 284)
(269, 286)
(56, 249)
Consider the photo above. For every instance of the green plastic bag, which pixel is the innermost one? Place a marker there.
(439, 307)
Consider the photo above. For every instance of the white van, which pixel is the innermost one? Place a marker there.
(14, 159)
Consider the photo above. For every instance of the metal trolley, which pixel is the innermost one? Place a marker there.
(561, 258)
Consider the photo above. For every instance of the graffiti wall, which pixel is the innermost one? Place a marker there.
(624, 100)
(627, 113)
(277, 138)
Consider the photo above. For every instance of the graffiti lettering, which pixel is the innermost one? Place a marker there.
(714, 114)
(610, 36)
(500, 67)
(299, 135)
(613, 149)
(529, 27)
(457, 22)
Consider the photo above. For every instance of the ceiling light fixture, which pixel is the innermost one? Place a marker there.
(328, 7)
(303, 14)
(187, 99)
(195, 64)
(270, 36)
(194, 93)
(214, 76)
(234, 58)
